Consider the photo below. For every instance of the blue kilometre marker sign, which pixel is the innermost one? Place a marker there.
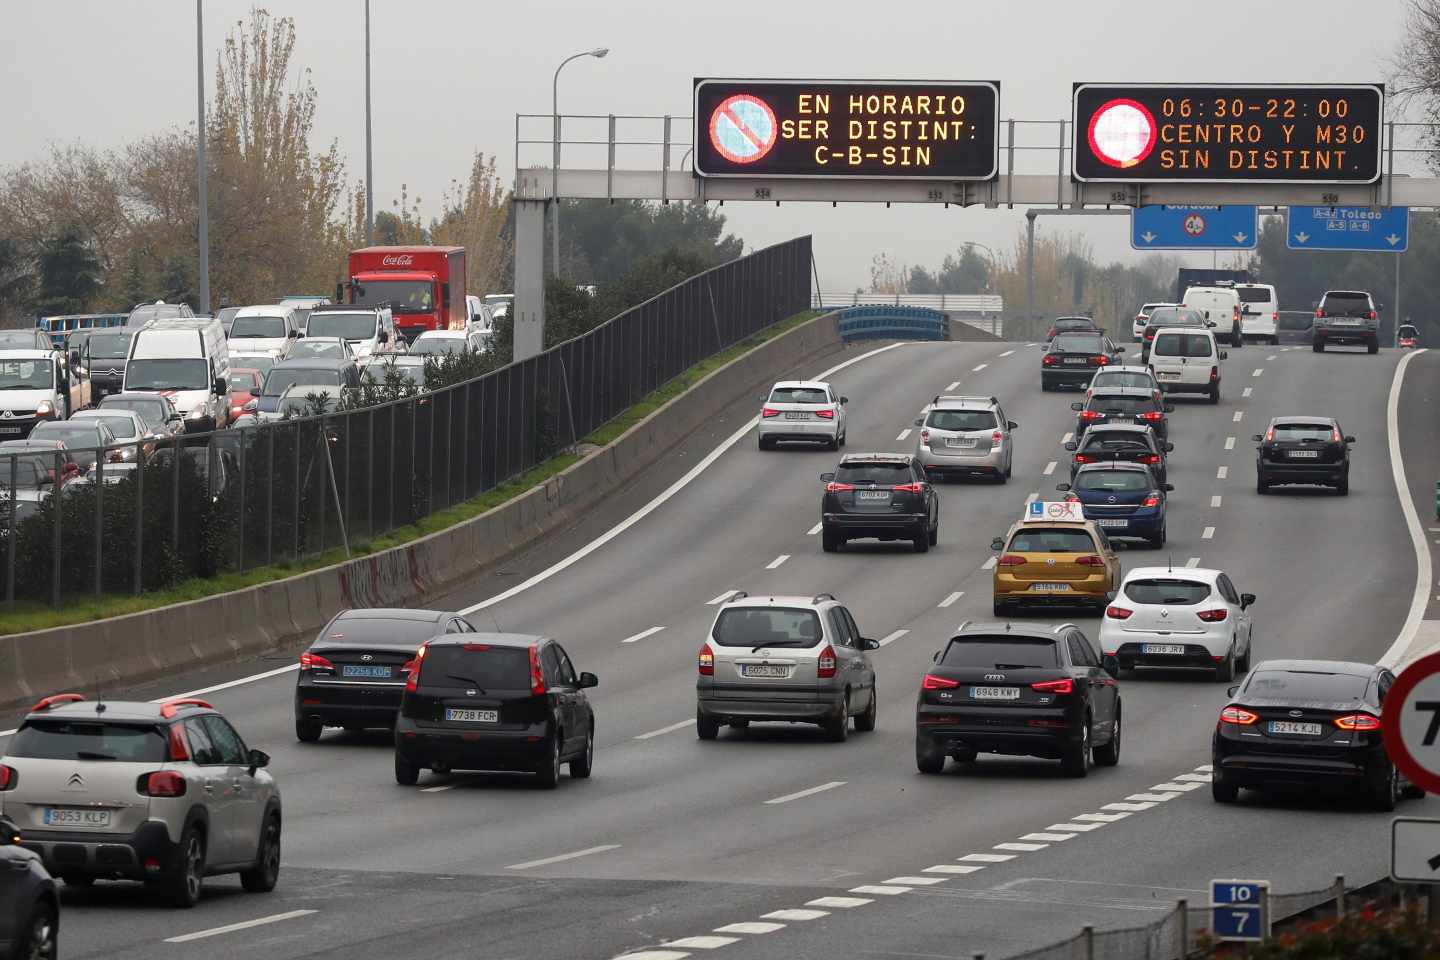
(1182, 227)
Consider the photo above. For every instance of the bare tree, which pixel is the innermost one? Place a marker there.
(1415, 68)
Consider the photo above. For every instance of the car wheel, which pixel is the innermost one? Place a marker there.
(866, 721)
(1225, 669)
(1237, 340)
(1221, 791)
(837, 725)
(42, 935)
(935, 536)
(1215, 393)
(830, 543)
(922, 541)
(832, 444)
(928, 759)
(1373, 346)
(707, 728)
(1317, 345)
(1109, 754)
(407, 774)
(1343, 487)
(1262, 485)
(308, 729)
(547, 771)
(581, 766)
(1243, 666)
(1275, 340)
(262, 877)
(766, 444)
(1045, 387)
(1157, 541)
(183, 888)
(1387, 795)
(1002, 609)
(1075, 762)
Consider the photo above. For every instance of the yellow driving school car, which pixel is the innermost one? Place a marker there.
(1053, 556)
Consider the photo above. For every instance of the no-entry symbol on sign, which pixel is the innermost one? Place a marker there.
(1122, 133)
(743, 128)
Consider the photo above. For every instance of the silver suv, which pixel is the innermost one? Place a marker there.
(1346, 317)
(796, 659)
(166, 793)
(965, 436)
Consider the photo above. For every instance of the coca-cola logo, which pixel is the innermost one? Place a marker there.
(400, 260)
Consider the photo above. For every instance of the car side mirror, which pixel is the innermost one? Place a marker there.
(1011, 425)
(9, 833)
(258, 759)
(1246, 599)
(221, 385)
(588, 680)
(827, 478)
(293, 334)
(997, 544)
(1224, 354)
(1169, 447)
(1169, 488)
(1257, 438)
(919, 421)
(1077, 405)
(867, 644)
(1062, 487)
(1231, 691)
(1071, 445)
(844, 400)
(1111, 665)
(1119, 349)
(1349, 439)
(1169, 408)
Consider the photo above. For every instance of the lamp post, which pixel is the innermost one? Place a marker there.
(369, 161)
(597, 53)
(202, 174)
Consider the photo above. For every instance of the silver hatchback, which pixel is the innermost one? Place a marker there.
(796, 659)
(965, 437)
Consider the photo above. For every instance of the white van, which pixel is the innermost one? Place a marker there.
(1259, 312)
(1187, 360)
(1220, 305)
(187, 361)
(368, 330)
(266, 329)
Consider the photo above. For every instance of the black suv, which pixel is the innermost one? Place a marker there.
(879, 495)
(1020, 690)
(1310, 450)
(1120, 441)
(1115, 405)
(1071, 359)
(1346, 316)
(352, 676)
(29, 902)
(494, 701)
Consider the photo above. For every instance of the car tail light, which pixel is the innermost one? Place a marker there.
(1047, 361)
(1054, 686)
(1213, 616)
(162, 783)
(1089, 560)
(1099, 361)
(1149, 334)
(1118, 613)
(1151, 501)
(412, 670)
(1152, 416)
(769, 412)
(9, 777)
(172, 707)
(707, 661)
(1214, 374)
(1358, 721)
(59, 698)
(1370, 315)
(997, 438)
(908, 488)
(1072, 498)
(313, 661)
(179, 749)
(825, 414)
(1149, 458)
(1011, 560)
(1238, 715)
(825, 666)
(1319, 314)
(1275, 317)
(932, 682)
(1051, 334)
(1091, 415)
(1335, 435)
(1084, 458)
(537, 676)
(925, 437)
(833, 487)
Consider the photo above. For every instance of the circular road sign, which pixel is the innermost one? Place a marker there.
(1410, 723)
(743, 128)
(1194, 225)
(1122, 133)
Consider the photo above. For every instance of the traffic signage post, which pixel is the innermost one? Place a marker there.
(1410, 723)
(1374, 229)
(1186, 227)
(1240, 910)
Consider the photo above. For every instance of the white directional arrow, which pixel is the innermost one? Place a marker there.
(1302, 237)
(1393, 239)
(1239, 237)
(1148, 237)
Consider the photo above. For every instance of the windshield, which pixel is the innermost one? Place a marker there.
(261, 364)
(1302, 685)
(270, 328)
(1176, 317)
(402, 296)
(298, 404)
(122, 427)
(167, 374)
(885, 473)
(961, 420)
(143, 314)
(348, 326)
(437, 346)
(376, 373)
(1074, 323)
(1113, 481)
(152, 410)
(244, 381)
(281, 377)
(31, 469)
(1112, 443)
(1076, 343)
(1183, 345)
(1052, 541)
(989, 653)
(27, 374)
(1167, 591)
(109, 346)
(767, 627)
(1124, 378)
(88, 740)
(798, 395)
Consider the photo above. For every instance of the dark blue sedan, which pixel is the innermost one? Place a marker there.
(1124, 499)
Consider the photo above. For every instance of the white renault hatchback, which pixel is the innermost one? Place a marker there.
(805, 410)
(1189, 617)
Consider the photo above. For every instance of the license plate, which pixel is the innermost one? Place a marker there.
(796, 415)
(1113, 523)
(772, 671)
(1304, 454)
(472, 716)
(961, 442)
(1296, 729)
(365, 671)
(873, 495)
(1163, 649)
(9, 429)
(1075, 360)
(1165, 375)
(1049, 588)
(73, 817)
(994, 693)
(1347, 323)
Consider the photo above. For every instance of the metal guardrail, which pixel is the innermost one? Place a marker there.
(893, 323)
(973, 303)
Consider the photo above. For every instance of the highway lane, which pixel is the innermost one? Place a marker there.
(683, 811)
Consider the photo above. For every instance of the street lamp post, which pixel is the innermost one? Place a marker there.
(994, 263)
(598, 52)
(202, 174)
(369, 164)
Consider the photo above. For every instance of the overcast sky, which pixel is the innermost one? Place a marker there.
(449, 77)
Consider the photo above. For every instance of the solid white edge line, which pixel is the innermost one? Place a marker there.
(227, 685)
(664, 730)
(809, 792)
(561, 858)
(643, 634)
(655, 504)
(1401, 647)
(233, 927)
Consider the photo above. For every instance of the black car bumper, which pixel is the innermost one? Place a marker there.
(146, 854)
(1291, 472)
(1075, 376)
(340, 704)
(428, 748)
(1034, 733)
(1363, 768)
(881, 526)
(199, 424)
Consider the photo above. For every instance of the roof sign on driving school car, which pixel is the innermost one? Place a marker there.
(1047, 511)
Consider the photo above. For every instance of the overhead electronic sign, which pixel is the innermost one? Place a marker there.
(1220, 133)
(847, 129)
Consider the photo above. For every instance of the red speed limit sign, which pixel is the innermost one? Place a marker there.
(1410, 723)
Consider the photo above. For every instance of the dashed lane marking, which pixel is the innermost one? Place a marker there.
(1007, 353)
(1229, 443)
(1101, 818)
(950, 600)
(657, 955)
(1047, 837)
(698, 943)
(722, 598)
(1215, 500)
(777, 561)
(916, 881)
(814, 530)
(1208, 534)
(561, 858)
(989, 564)
(664, 730)
(810, 792)
(1021, 847)
(979, 368)
(1152, 797)
(1067, 438)
(1033, 495)
(1193, 562)
(1128, 807)
(1050, 467)
(1195, 777)
(794, 915)
(1182, 787)
(903, 434)
(1222, 473)
(953, 386)
(957, 869)
(1239, 415)
(750, 927)
(234, 927)
(1259, 371)
(440, 789)
(876, 889)
(890, 638)
(839, 903)
(642, 635)
(1075, 827)
(1271, 357)
(986, 857)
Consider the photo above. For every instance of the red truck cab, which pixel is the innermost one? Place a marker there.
(423, 286)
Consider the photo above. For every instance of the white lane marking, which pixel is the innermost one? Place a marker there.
(664, 730)
(1401, 646)
(1050, 467)
(655, 504)
(643, 634)
(810, 792)
(795, 915)
(917, 881)
(1182, 787)
(1193, 778)
(876, 889)
(838, 903)
(440, 789)
(1067, 438)
(986, 857)
(226, 686)
(1193, 562)
(1245, 393)
(722, 598)
(1258, 372)
(1239, 414)
(232, 927)
(1032, 344)
(777, 561)
(1208, 534)
(1271, 357)
(1101, 817)
(561, 858)
(750, 926)
(952, 386)
(903, 434)
(1222, 473)
(815, 529)
(979, 368)
(950, 600)
(1205, 767)
(954, 868)
(1033, 495)
(1075, 827)
(1045, 837)
(1152, 797)
(654, 955)
(1021, 847)
(1007, 353)
(989, 564)
(890, 638)
(699, 943)
(1128, 807)
(1229, 443)
(1215, 500)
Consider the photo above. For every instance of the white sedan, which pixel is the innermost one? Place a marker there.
(1188, 617)
(806, 410)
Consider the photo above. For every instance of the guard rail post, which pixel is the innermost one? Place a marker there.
(1339, 896)
(1087, 935)
(1182, 906)
(59, 511)
(11, 532)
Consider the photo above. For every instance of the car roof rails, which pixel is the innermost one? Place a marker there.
(961, 398)
(737, 595)
(822, 597)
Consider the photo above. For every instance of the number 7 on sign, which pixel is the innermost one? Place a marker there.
(1433, 706)
(1240, 916)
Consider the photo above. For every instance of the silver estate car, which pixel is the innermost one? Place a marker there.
(965, 436)
(796, 659)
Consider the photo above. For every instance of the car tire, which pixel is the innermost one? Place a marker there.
(42, 933)
(581, 766)
(1109, 754)
(928, 759)
(1385, 797)
(766, 444)
(262, 877)
(837, 725)
(183, 888)
(1045, 387)
(1242, 665)
(547, 771)
(832, 444)
(1343, 487)
(1275, 340)
(308, 729)
(706, 728)
(1157, 541)
(1002, 609)
(1237, 340)
(1225, 670)
(407, 774)
(830, 543)
(1372, 346)
(934, 537)
(1317, 345)
(1262, 485)
(921, 542)
(1223, 792)
(1215, 393)
(865, 722)
(1075, 761)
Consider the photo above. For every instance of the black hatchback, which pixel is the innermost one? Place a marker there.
(353, 674)
(1112, 405)
(1124, 442)
(494, 701)
(1311, 450)
(29, 901)
(1019, 689)
(881, 495)
(1071, 359)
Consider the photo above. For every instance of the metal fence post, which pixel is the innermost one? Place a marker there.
(345, 505)
(56, 494)
(295, 531)
(99, 525)
(465, 441)
(1087, 935)
(270, 496)
(390, 485)
(139, 520)
(1339, 896)
(370, 473)
(240, 522)
(430, 455)
(322, 444)
(12, 532)
(175, 496)
(449, 442)
(1183, 906)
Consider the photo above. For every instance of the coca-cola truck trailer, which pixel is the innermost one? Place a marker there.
(423, 286)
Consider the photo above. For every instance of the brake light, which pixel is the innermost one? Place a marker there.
(1358, 721)
(1091, 415)
(9, 777)
(1047, 361)
(1214, 374)
(313, 661)
(1072, 498)
(1152, 416)
(1149, 334)
(1118, 613)
(825, 666)
(1335, 435)
(1238, 715)
(1084, 458)
(825, 414)
(707, 661)
(1370, 315)
(59, 698)
(1152, 501)
(932, 682)
(537, 676)
(769, 412)
(1150, 458)
(997, 438)
(162, 783)
(925, 437)
(1319, 313)
(1213, 616)
(1011, 560)
(1051, 334)
(1099, 361)
(1275, 317)
(179, 749)
(838, 487)
(908, 488)
(1054, 686)
(168, 710)
(1089, 560)
(412, 670)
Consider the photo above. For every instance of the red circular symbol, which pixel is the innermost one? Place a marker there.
(743, 128)
(1406, 720)
(1122, 133)
(1194, 225)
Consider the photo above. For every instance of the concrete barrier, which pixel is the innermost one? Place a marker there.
(146, 646)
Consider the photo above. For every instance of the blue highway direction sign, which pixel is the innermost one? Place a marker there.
(1193, 228)
(1376, 229)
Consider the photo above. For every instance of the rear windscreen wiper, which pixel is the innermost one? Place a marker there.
(1017, 666)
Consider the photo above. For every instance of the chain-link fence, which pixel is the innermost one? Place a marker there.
(144, 515)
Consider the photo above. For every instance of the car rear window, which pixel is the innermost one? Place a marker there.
(1125, 481)
(991, 653)
(89, 740)
(1113, 404)
(477, 664)
(1253, 294)
(122, 427)
(382, 631)
(891, 473)
(959, 420)
(1112, 441)
(1075, 323)
(1347, 304)
(1302, 431)
(1305, 685)
(1124, 378)
(1169, 591)
(1077, 343)
(1175, 317)
(767, 627)
(798, 395)
(1052, 541)
(1182, 345)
